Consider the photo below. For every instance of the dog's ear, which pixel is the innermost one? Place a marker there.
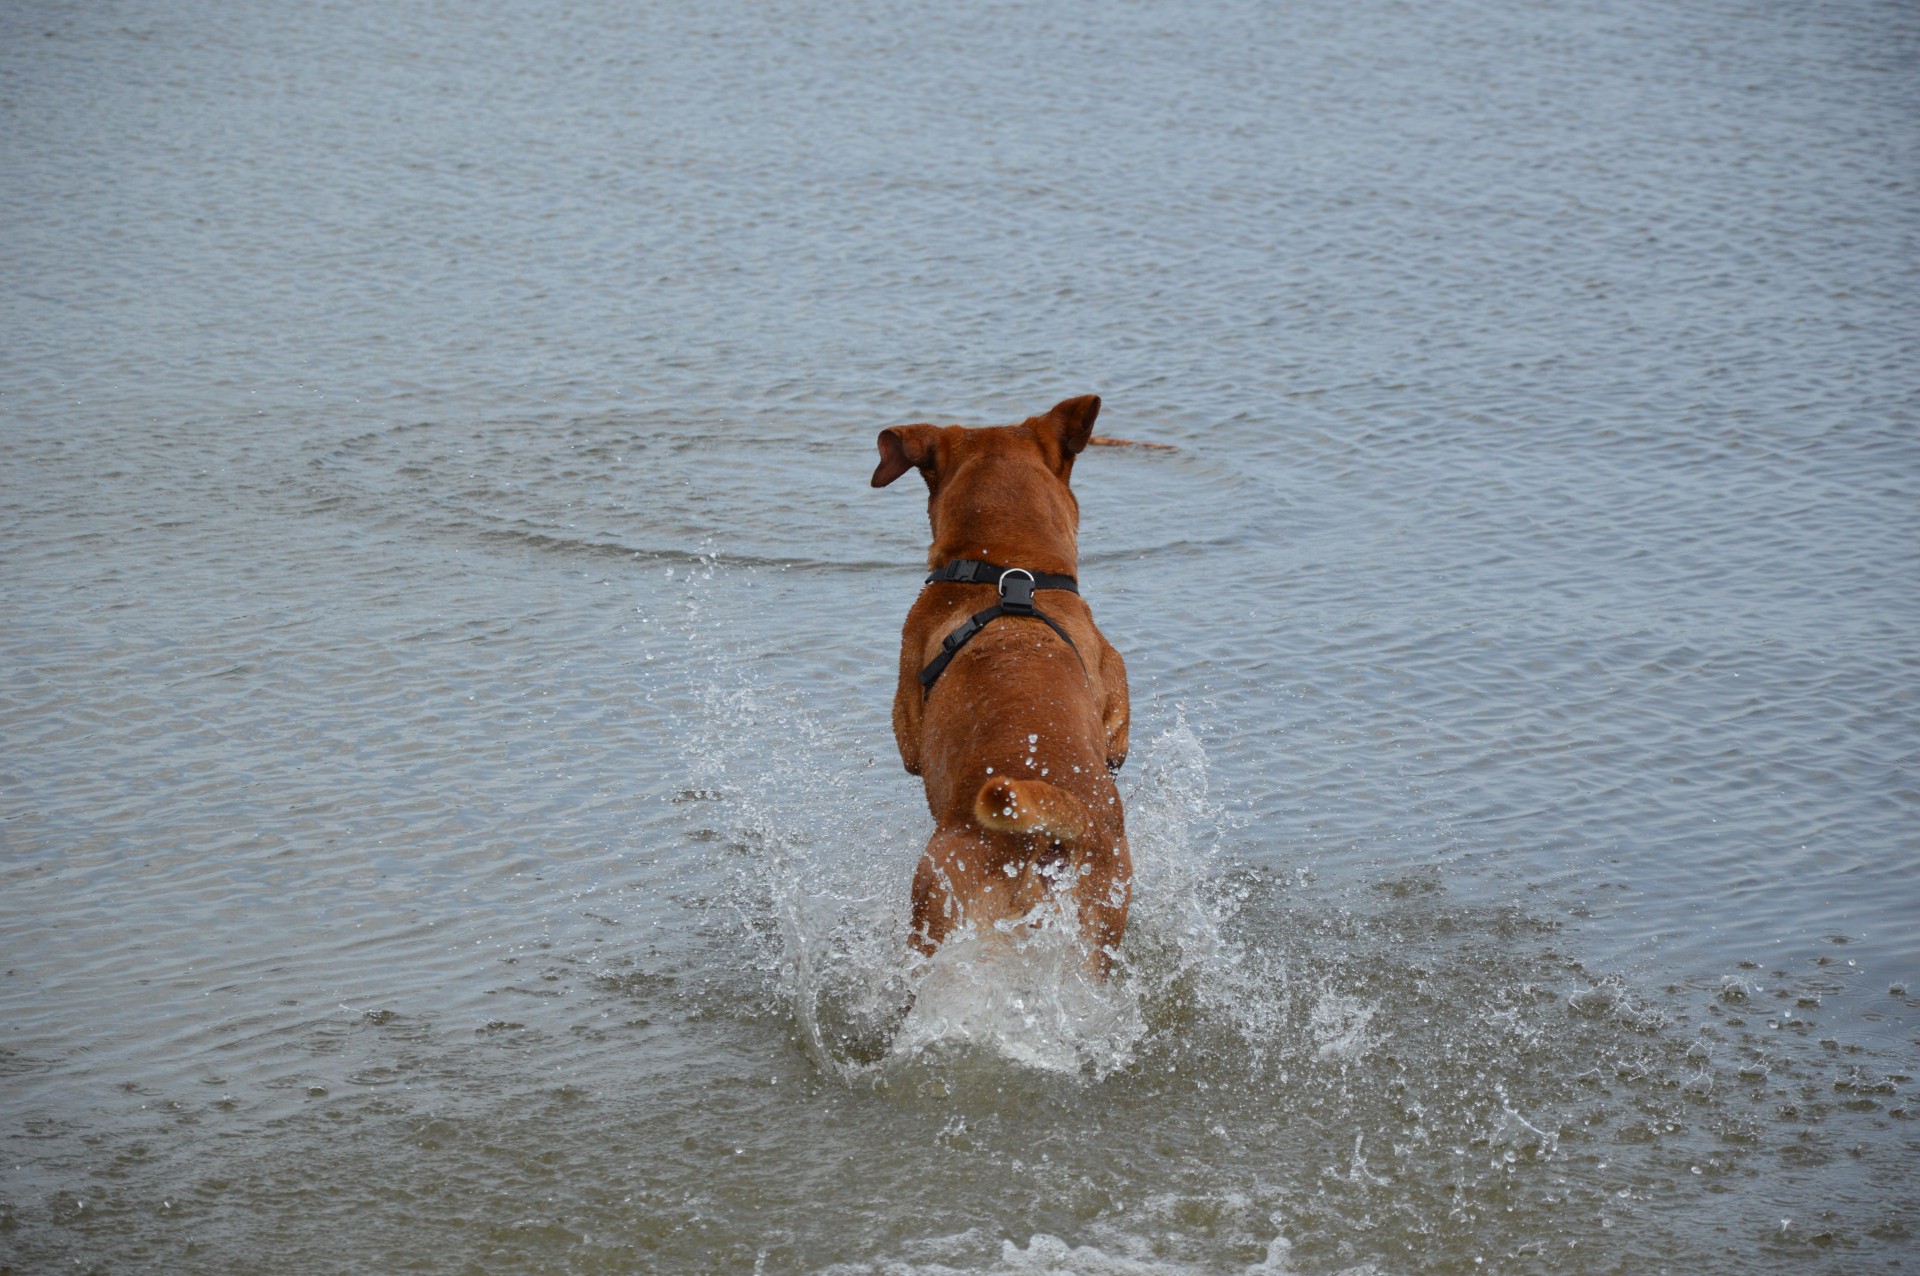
(903, 448)
(1070, 423)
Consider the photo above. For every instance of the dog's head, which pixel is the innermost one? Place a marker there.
(998, 492)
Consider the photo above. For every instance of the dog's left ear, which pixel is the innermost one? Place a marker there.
(1069, 424)
(903, 448)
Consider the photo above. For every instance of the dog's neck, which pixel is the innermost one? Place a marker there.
(1019, 520)
(1035, 553)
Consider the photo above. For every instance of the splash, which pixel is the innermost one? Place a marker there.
(1340, 1026)
(1109, 1251)
(1025, 998)
(826, 849)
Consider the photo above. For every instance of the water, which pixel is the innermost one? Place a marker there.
(450, 812)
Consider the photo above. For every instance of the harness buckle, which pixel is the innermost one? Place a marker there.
(1016, 595)
(960, 637)
(961, 571)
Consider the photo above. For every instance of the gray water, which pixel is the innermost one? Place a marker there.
(451, 817)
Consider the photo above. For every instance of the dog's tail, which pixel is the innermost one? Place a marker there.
(1032, 806)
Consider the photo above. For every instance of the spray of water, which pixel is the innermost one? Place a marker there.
(829, 842)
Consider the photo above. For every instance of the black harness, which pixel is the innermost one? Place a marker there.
(1016, 585)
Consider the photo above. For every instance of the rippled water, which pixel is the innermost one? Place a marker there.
(451, 819)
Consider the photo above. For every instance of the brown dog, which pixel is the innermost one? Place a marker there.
(1011, 705)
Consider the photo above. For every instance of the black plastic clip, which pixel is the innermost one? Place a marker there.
(1016, 591)
(961, 636)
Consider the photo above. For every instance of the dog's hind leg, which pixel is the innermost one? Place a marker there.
(1102, 894)
(937, 907)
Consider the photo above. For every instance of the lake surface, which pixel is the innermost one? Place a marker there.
(451, 819)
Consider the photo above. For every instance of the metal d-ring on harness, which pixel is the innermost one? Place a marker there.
(1016, 599)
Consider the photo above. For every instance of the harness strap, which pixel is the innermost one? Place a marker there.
(1016, 599)
(972, 571)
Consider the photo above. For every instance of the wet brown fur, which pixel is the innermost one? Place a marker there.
(1016, 701)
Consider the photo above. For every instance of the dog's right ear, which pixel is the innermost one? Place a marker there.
(903, 448)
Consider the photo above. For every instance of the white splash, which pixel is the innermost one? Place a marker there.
(831, 850)
(1339, 1023)
(1028, 998)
